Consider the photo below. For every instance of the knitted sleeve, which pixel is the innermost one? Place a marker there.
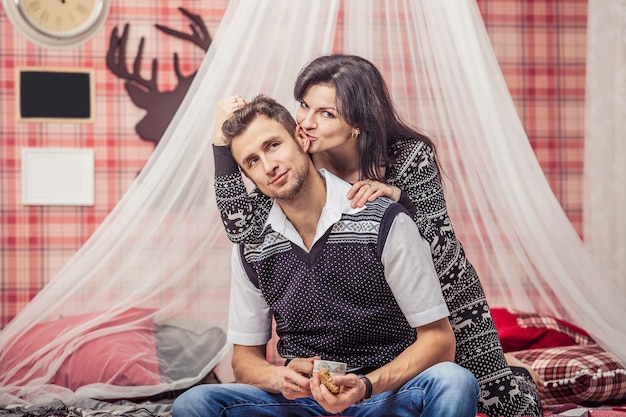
(243, 214)
(416, 173)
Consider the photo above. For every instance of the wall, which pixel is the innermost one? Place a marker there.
(37, 241)
(540, 45)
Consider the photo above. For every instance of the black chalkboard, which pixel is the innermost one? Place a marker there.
(55, 95)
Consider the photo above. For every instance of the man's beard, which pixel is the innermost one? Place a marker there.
(295, 186)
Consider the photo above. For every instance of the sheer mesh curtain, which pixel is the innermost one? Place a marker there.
(444, 77)
(163, 246)
(605, 147)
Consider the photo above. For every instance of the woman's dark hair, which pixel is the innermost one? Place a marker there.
(363, 100)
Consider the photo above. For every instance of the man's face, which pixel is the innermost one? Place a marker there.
(269, 156)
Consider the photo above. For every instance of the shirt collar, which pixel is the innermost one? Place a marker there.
(336, 205)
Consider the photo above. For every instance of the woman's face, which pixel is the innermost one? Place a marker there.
(318, 116)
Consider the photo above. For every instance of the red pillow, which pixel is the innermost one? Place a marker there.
(520, 331)
(125, 358)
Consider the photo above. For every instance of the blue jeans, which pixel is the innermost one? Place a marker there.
(445, 389)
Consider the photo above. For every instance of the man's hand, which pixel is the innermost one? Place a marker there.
(351, 390)
(250, 366)
(294, 379)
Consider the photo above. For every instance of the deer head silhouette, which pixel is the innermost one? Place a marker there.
(160, 105)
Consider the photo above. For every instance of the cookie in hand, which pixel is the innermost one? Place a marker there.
(327, 380)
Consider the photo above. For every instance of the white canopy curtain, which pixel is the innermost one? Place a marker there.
(605, 144)
(163, 246)
(526, 251)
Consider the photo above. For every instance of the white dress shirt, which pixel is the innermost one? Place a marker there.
(409, 270)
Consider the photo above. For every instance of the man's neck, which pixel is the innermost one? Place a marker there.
(342, 164)
(305, 208)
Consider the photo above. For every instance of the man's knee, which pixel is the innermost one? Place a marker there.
(453, 390)
(190, 402)
(452, 376)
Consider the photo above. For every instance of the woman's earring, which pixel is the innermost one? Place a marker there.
(355, 133)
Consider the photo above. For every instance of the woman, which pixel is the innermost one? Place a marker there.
(347, 113)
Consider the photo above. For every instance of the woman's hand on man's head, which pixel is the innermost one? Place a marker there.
(225, 108)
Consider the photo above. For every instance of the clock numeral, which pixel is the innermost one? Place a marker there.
(44, 16)
(33, 6)
(58, 21)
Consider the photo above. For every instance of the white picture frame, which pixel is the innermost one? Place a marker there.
(57, 177)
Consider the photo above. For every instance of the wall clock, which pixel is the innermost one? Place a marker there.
(57, 23)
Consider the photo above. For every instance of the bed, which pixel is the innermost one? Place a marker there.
(580, 378)
(89, 408)
(131, 352)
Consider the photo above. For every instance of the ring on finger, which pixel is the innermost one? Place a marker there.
(298, 387)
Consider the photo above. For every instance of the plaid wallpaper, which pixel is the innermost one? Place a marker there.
(540, 45)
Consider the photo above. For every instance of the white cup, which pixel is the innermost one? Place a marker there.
(335, 368)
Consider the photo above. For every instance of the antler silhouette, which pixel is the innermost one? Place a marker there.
(200, 35)
(160, 105)
(116, 60)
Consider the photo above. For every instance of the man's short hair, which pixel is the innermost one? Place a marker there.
(259, 106)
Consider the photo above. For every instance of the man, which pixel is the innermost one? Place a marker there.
(343, 284)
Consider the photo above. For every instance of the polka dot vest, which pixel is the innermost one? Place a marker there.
(333, 301)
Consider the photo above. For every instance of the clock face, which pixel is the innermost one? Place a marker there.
(57, 23)
(61, 18)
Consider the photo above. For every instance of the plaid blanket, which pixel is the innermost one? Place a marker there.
(573, 410)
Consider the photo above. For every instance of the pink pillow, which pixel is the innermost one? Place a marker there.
(126, 358)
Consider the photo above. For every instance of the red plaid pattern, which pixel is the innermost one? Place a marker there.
(586, 375)
(540, 45)
(541, 48)
(37, 241)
